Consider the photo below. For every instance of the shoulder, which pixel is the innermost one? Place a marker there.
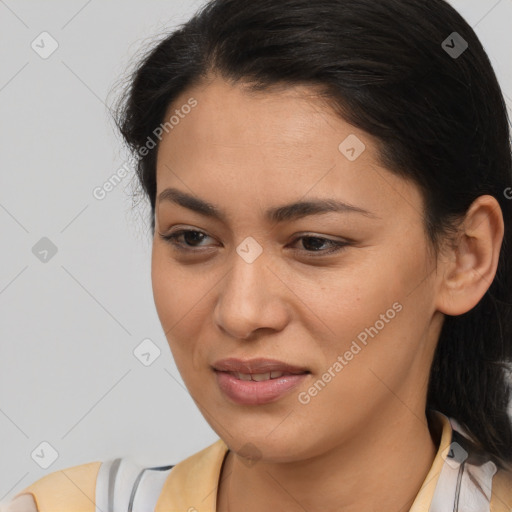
(58, 491)
(501, 499)
(116, 484)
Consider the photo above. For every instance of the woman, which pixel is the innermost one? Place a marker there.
(330, 187)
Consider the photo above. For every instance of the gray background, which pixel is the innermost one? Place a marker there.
(69, 326)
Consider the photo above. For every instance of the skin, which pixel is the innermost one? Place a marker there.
(366, 432)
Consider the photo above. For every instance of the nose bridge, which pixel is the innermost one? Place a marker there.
(248, 300)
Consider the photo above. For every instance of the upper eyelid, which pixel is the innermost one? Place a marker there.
(305, 234)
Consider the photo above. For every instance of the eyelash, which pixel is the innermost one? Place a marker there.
(172, 237)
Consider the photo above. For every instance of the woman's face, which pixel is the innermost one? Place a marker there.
(358, 324)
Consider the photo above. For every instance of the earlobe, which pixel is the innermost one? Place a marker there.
(473, 260)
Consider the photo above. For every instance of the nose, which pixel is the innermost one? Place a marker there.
(251, 298)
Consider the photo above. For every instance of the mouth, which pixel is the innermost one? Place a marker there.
(260, 377)
(257, 381)
(258, 366)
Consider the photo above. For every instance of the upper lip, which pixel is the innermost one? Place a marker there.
(258, 365)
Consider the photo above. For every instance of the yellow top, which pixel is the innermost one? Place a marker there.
(192, 484)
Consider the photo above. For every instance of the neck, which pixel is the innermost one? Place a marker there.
(394, 453)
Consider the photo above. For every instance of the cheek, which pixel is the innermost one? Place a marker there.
(171, 295)
(175, 288)
(182, 303)
(368, 308)
(375, 347)
(166, 289)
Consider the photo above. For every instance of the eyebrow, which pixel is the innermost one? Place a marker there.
(277, 214)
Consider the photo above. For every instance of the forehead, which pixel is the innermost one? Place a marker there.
(284, 131)
(279, 144)
(289, 115)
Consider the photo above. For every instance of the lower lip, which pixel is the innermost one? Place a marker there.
(249, 392)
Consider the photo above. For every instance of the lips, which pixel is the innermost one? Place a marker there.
(257, 381)
(257, 366)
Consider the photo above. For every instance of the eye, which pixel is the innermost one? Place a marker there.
(192, 239)
(334, 245)
(192, 236)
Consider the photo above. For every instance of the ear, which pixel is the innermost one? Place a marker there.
(471, 265)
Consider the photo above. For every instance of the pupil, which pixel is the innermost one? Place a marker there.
(192, 234)
(317, 245)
